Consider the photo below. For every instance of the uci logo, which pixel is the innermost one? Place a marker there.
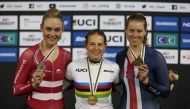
(88, 22)
(114, 38)
(81, 70)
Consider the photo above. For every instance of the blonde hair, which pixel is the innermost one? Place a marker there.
(52, 13)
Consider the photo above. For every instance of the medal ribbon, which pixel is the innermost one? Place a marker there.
(141, 55)
(93, 89)
(45, 58)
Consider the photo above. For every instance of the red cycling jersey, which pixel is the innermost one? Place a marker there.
(49, 93)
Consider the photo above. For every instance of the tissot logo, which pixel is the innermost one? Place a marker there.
(30, 38)
(110, 71)
(8, 22)
(111, 22)
(171, 56)
(81, 70)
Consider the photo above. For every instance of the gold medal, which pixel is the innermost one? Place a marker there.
(138, 61)
(92, 100)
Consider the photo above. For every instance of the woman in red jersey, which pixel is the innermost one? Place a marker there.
(41, 68)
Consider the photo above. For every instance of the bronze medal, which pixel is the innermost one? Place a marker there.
(138, 61)
(92, 100)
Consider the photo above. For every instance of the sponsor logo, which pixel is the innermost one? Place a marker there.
(110, 71)
(30, 38)
(8, 22)
(185, 57)
(185, 24)
(81, 70)
(165, 40)
(115, 38)
(30, 22)
(185, 41)
(8, 38)
(78, 53)
(85, 22)
(112, 22)
(8, 54)
(171, 56)
(110, 53)
(166, 23)
(79, 38)
(65, 39)
(67, 22)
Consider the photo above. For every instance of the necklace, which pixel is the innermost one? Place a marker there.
(92, 98)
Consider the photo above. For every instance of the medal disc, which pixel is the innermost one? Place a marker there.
(92, 100)
(41, 66)
(138, 62)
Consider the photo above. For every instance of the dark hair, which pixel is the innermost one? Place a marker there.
(52, 13)
(95, 31)
(140, 18)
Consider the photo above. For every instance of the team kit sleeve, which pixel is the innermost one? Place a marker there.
(161, 86)
(69, 72)
(22, 85)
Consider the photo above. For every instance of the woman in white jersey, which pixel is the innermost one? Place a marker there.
(93, 76)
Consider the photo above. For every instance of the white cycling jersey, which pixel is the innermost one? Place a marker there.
(77, 71)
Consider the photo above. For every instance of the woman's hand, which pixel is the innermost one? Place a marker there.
(143, 73)
(37, 78)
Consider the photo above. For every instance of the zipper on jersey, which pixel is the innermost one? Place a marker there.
(52, 80)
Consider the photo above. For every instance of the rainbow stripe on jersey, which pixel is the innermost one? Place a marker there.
(82, 89)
